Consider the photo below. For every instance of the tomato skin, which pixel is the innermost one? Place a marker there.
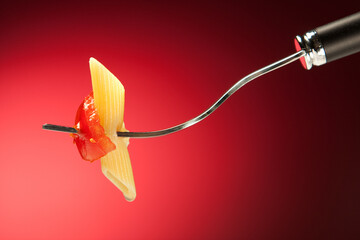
(90, 140)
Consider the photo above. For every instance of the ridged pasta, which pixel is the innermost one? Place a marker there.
(109, 98)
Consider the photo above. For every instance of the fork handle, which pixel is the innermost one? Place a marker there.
(330, 42)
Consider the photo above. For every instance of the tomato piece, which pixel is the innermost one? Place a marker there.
(90, 140)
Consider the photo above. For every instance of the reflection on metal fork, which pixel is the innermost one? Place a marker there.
(203, 115)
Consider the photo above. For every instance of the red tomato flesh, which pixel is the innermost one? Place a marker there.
(90, 140)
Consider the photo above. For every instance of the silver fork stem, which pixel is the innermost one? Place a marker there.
(221, 100)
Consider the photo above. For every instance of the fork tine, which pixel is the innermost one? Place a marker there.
(58, 128)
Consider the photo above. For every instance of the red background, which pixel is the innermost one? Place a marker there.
(279, 160)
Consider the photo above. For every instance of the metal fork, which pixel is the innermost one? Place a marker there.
(203, 115)
(324, 44)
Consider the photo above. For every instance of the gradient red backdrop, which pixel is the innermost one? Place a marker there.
(279, 160)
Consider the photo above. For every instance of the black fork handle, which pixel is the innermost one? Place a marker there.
(330, 42)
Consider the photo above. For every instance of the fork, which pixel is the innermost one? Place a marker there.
(324, 44)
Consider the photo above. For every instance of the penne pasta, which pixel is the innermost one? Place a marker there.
(109, 96)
